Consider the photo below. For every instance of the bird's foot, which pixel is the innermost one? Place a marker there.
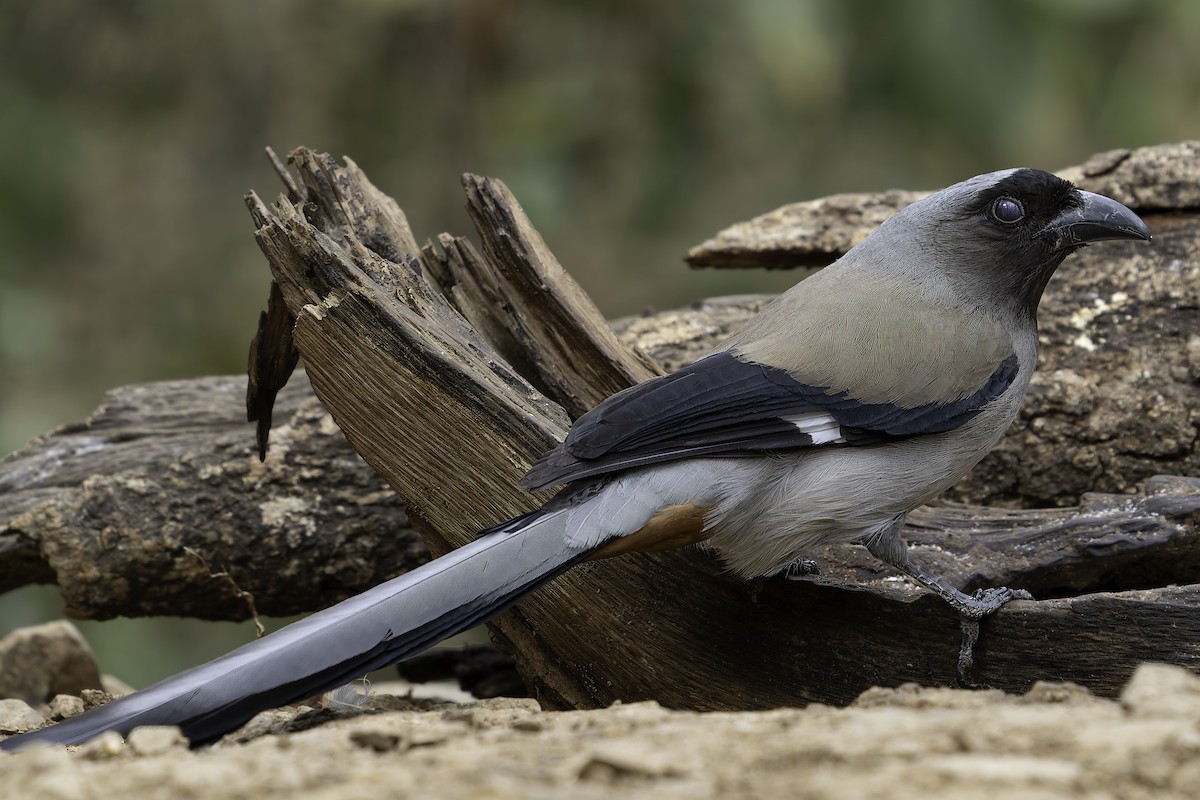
(971, 609)
(887, 546)
(988, 601)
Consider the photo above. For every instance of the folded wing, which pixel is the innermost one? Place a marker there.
(723, 405)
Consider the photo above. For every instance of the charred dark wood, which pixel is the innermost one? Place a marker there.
(273, 358)
(481, 670)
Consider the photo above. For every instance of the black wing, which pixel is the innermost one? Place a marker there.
(722, 405)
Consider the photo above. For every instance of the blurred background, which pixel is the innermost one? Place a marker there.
(130, 129)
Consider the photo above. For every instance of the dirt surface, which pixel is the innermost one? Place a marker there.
(1057, 741)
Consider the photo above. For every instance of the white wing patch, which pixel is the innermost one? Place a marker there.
(822, 428)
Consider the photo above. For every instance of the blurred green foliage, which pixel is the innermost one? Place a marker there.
(129, 130)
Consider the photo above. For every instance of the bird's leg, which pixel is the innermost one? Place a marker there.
(970, 608)
(888, 546)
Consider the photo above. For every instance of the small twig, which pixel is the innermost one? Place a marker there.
(289, 183)
(244, 595)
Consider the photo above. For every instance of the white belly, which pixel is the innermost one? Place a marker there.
(772, 511)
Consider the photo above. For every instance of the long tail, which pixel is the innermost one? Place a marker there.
(381, 626)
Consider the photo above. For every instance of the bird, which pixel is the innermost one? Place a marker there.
(861, 393)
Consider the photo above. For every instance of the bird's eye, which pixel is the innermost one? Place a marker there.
(1007, 210)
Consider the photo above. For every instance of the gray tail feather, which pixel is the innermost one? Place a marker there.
(381, 626)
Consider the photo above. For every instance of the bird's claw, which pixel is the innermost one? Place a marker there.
(989, 601)
(985, 601)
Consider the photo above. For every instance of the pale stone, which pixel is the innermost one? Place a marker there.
(152, 740)
(16, 716)
(64, 706)
(1162, 690)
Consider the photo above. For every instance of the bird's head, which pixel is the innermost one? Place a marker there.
(1000, 236)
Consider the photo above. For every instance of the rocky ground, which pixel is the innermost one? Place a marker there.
(1057, 741)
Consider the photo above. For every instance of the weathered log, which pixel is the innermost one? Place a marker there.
(657, 617)
(815, 232)
(108, 508)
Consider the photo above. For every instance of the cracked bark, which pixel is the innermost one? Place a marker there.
(107, 507)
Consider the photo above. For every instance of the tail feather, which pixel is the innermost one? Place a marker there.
(381, 626)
